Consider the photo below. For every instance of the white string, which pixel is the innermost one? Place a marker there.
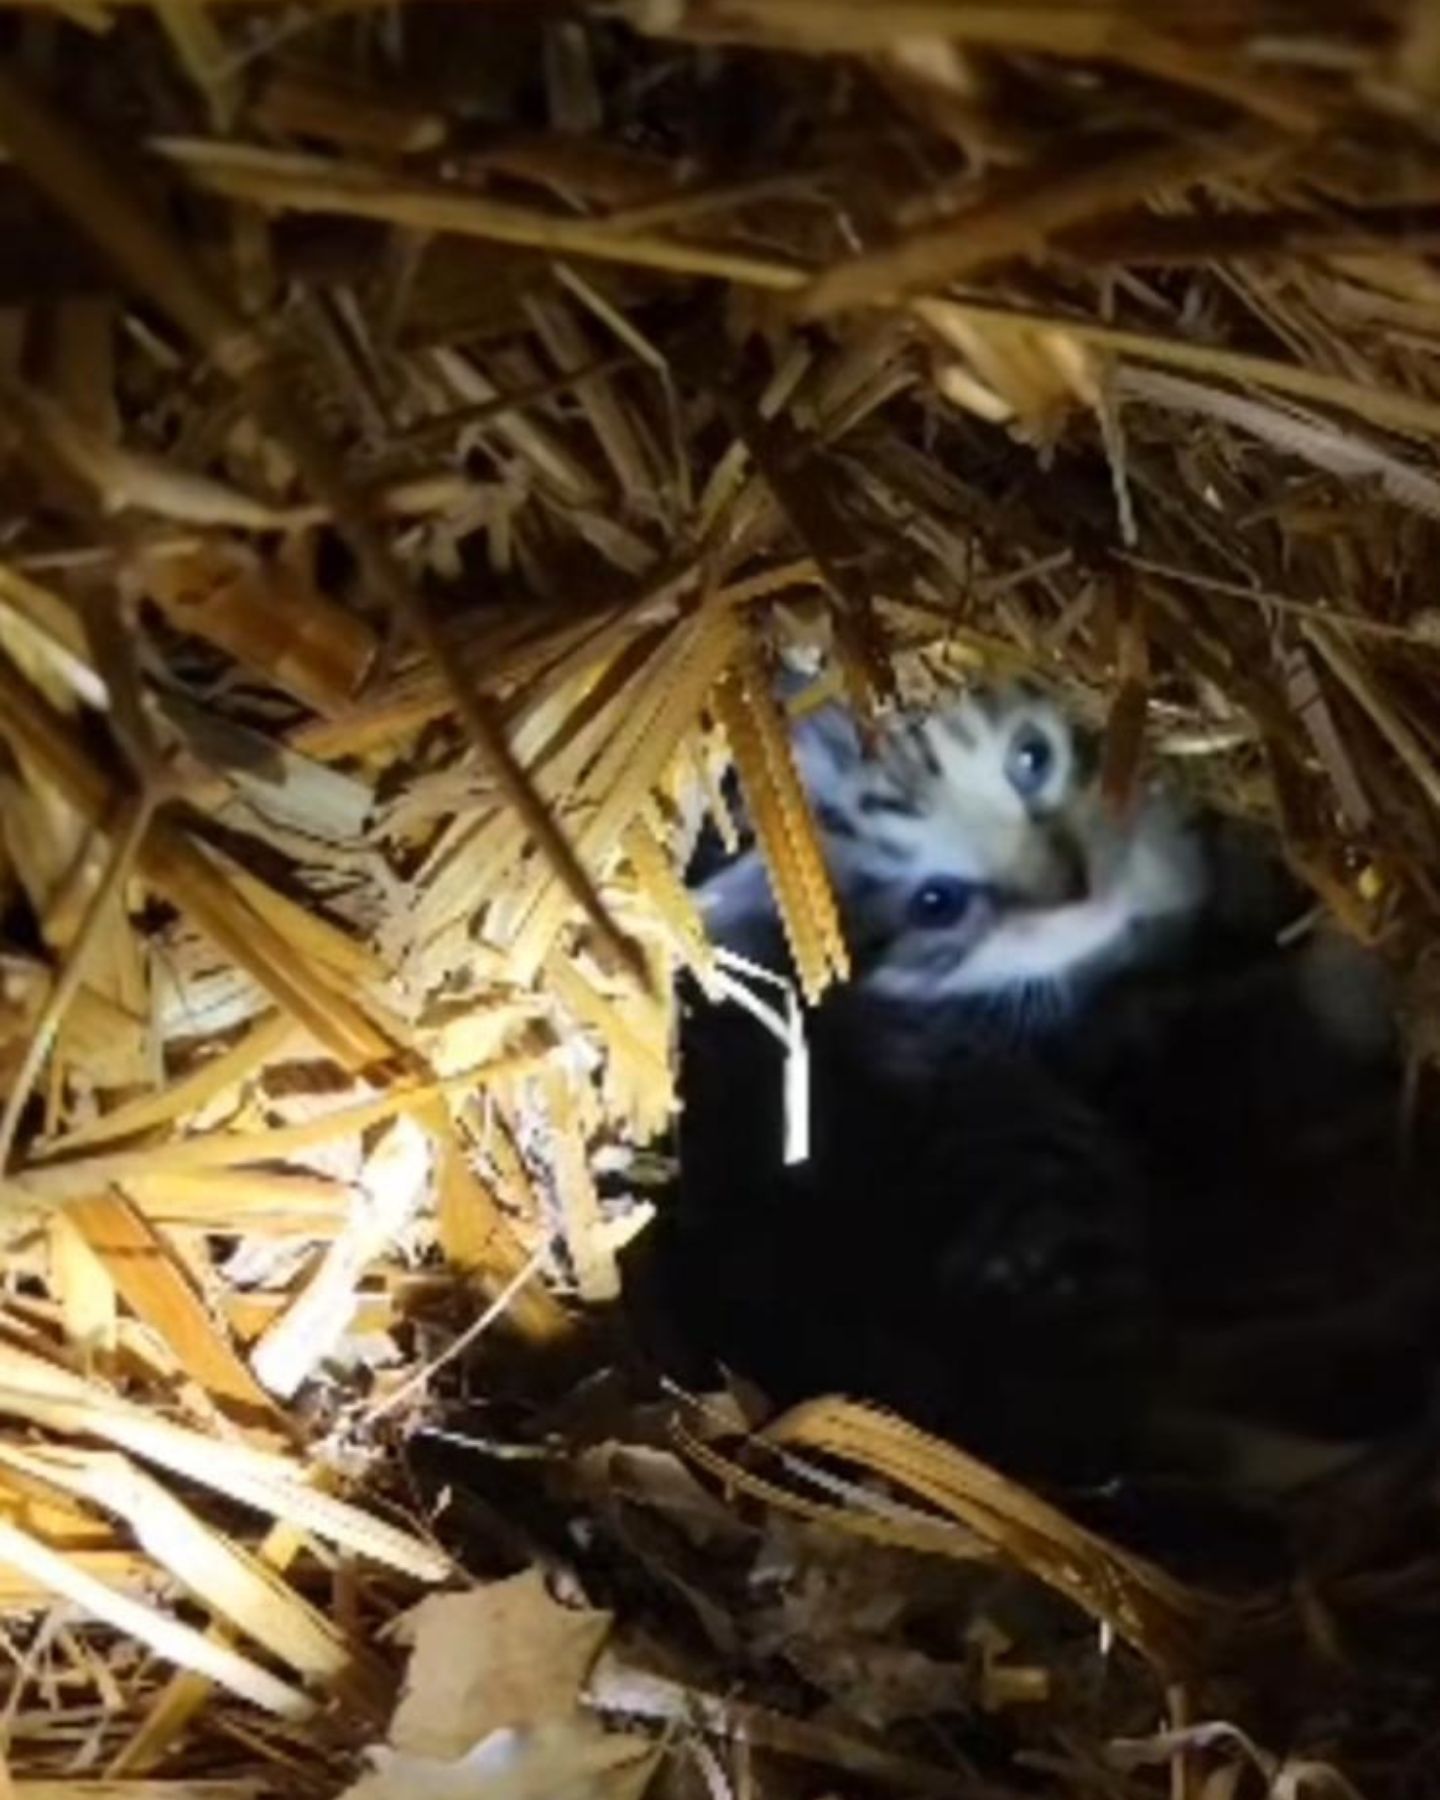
(788, 1029)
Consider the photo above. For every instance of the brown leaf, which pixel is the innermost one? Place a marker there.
(506, 1656)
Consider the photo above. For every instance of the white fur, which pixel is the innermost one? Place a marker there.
(1141, 878)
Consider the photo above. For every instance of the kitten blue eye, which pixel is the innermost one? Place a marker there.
(1029, 761)
(940, 902)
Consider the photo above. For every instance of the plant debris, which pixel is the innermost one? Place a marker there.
(422, 428)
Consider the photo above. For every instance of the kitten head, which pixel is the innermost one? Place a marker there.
(972, 854)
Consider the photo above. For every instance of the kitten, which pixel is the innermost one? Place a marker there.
(988, 890)
(1067, 1110)
(974, 859)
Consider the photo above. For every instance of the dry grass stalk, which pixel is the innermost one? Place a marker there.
(146, 1275)
(1043, 337)
(220, 1198)
(187, 1692)
(1399, 411)
(262, 1042)
(181, 869)
(1417, 757)
(1146, 1607)
(311, 184)
(69, 1176)
(784, 827)
(1021, 219)
(126, 842)
(229, 1581)
(81, 185)
(167, 1637)
(271, 620)
(310, 103)
(45, 1394)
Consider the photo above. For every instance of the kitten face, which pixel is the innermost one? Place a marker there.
(972, 854)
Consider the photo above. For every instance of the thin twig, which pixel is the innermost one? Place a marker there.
(1360, 623)
(442, 427)
(457, 1346)
(125, 847)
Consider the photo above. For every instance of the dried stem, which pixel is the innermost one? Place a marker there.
(77, 180)
(125, 847)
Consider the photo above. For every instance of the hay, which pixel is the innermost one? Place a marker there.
(422, 424)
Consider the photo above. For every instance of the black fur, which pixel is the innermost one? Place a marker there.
(1020, 1210)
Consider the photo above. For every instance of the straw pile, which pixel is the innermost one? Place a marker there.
(421, 425)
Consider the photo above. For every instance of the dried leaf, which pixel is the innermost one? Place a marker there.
(505, 1657)
(570, 1759)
